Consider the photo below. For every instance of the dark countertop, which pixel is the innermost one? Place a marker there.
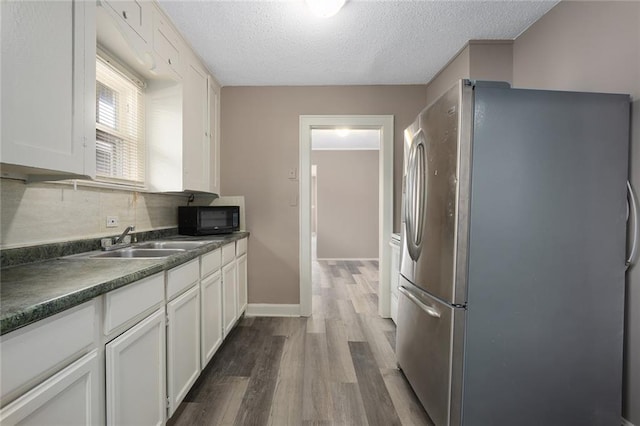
(34, 291)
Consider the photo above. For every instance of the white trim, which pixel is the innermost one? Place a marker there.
(385, 204)
(626, 422)
(348, 259)
(272, 310)
(346, 149)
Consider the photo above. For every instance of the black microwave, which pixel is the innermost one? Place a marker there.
(208, 220)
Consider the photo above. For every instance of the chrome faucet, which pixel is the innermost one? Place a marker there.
(128, 229)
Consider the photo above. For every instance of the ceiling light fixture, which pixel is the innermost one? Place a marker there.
(325, 8)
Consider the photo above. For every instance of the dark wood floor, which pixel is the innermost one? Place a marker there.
(336, 367)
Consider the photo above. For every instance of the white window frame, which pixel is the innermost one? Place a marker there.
(121, 182)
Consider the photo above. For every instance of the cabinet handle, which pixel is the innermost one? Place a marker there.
(124, 14)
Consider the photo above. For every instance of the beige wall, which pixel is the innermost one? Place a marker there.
(457, 68)
(347, 207)
(259, 143)
(44, 213)
(478, 60)
(491, 60)
(593, 46)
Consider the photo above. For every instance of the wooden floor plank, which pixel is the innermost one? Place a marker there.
(221, 406)
(379, 345)
(378, 405)
(404, 399)
(341, 370)
(348, 408)
(256, 404)
(316, 393)
(287, 399)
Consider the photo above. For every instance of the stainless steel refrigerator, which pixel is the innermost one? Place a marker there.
(513, 256)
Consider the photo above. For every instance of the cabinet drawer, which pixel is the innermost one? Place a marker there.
(178, 279)
(128, 302)
(210, 262)
(34, 352)
(241, 247)
(228, 253)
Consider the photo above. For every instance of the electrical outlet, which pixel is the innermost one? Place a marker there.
(292, 174)
(112, 221)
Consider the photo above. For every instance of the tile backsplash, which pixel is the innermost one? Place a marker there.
(40, 213)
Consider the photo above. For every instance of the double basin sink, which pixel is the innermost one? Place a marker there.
(151, 249)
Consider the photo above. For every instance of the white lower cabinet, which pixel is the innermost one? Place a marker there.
(183, 345)
(211, 320)
(70, 397)
(229, 296)
(145, 349)
(241, 266)
(135, 374)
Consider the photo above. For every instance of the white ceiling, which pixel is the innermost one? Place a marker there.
(279, 42)
(345, 139)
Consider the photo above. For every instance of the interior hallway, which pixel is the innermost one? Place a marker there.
(336, 367)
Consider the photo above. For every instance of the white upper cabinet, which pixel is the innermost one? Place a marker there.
(137, 15)
(48, 88)
(195, 130)
(214, 135)
(167, 44)
(183, 132)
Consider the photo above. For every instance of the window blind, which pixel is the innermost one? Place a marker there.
(120, 143)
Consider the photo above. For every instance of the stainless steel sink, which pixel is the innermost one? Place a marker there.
(181, 245)
(139, 253)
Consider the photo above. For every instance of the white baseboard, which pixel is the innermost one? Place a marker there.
(626, 422)
(346, 259)
(272, 310)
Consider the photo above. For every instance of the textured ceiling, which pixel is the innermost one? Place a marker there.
(262, 43)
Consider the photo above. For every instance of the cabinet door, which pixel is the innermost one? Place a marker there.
(70, 397)
(195, 128)
(48, 79)
(135, 14)
(135, 374)
(211, 311)
(242, 283)
(183, 345)
(229, 295)
(214, 135)
(38, 350)
(167, 44)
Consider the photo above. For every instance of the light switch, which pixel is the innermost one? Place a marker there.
(293, 173)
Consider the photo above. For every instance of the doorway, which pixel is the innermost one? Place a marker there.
(383, 124)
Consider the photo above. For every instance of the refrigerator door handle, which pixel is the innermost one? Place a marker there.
(633, 215)
(415, 196)
(428, 309)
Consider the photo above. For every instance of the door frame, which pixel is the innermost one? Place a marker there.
(384, 123)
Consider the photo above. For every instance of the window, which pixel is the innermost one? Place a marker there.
(120, 147)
